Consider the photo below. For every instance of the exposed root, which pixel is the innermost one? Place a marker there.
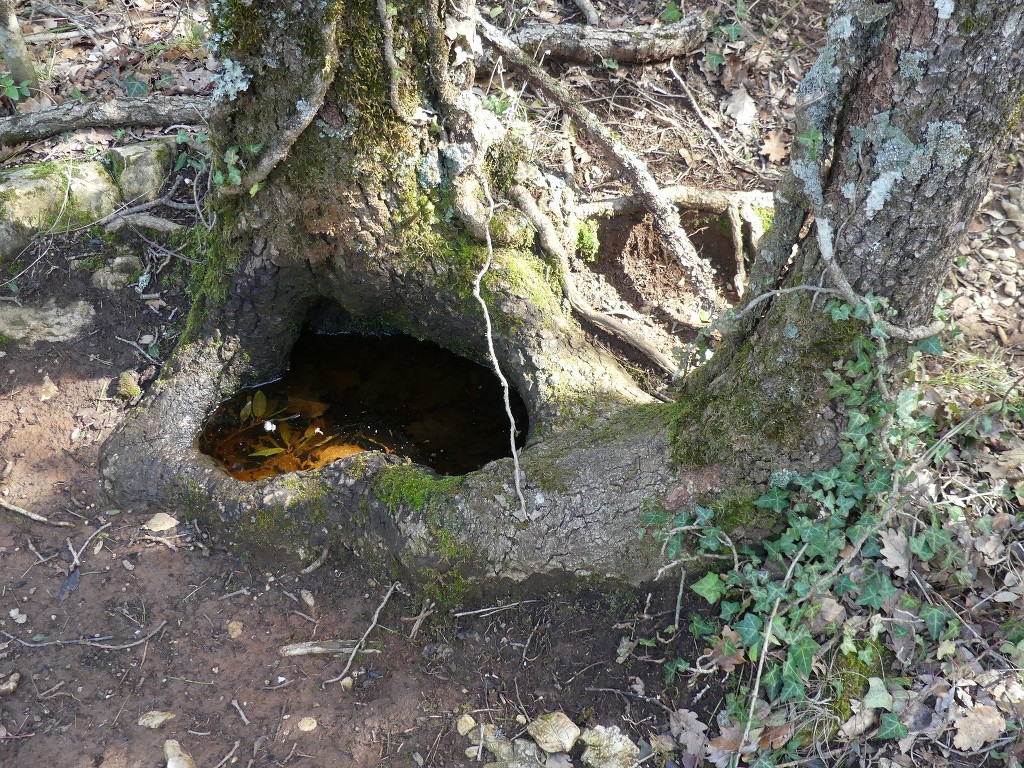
(307, 110)
(551, 243)
(589, 44)
(589, 12)
(666, 219)
(691, 198)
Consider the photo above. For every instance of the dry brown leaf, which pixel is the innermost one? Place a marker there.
(728, 652)
(981, 724)
(688, 730)
(741, 108)
(722, 749)
(896, 552)
(775, 147)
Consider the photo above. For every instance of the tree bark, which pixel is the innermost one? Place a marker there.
(12, 42)
(373, 209)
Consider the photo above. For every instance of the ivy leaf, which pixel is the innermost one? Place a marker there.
(776, 499)
(793, 688)
(749, 629)
(134, 87)
(801, 651)
(671, 12)
(711, 587)
(934, 619)
(772, 680)
(930, 346)
(875, 588)
(701, 627)
(891, 727)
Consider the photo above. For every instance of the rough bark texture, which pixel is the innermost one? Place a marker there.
(588, 44)
(363, 214)
(12, 43)
(152, 111)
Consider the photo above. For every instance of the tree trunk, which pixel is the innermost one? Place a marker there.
(12, 42)
(378, 207)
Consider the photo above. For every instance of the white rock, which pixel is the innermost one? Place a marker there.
(465, 724)
(177, 757)
(155, 718)
(50, 323)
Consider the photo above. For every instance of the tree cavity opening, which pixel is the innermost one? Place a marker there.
(348, 393)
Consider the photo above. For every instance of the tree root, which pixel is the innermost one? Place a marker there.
(740, 207)
(305, 113)
(589, 44)
(552, 245)
(666, 219)
(150, 112)
(589, 12)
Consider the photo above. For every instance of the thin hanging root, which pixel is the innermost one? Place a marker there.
(700, 274)
(490, 347)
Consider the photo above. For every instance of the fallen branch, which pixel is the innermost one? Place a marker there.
(84, 31)
(322, 648)
(589, 44)
(307, 109)
(589, 12)
(666, 218)
(91, 643)
(32, 515)
(369, 629)
(691, 198)
(148, 112)
(550, 242)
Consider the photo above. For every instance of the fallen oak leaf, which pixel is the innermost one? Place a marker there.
(775, 147)
(896, 551)
(979, 725)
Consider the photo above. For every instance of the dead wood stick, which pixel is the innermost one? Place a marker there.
(91, 643)
(589, 44)
(550, 242)
(149, 112)
(700, 273)
(369, 629)
(589, 12)
(84, 31)
(32, 515)
(306, 110)
(691, 198)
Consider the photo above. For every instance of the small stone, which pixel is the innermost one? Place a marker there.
(554, 732)
(521, 719)
(128, 565)
(307, 598)
(984, 276)
(155, 718)
(235, 628)
(465, 724)
(307, 724)
(177, 757)
(347, 683)
(1010, 288)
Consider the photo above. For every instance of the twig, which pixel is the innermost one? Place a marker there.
(94, 643)
(589, 12)
(679, 597)
(319, 647)
(33, 516)
(228, 755)
(490, 347)
(76, 557)
(373, 623)
(484, 612)
(141, 351)
(241, 714)
(318, 562)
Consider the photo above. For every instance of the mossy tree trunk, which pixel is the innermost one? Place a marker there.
(379, 207)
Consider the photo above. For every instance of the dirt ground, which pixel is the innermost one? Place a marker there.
(170, 621)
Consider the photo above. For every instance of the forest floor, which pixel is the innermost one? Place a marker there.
(106, 620)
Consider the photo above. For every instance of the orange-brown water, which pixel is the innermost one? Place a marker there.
(347, 393)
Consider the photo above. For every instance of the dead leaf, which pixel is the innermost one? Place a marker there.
(728, 652)
(896, 552)
(722, 749)
(49, 389)
(775, 147)
(155, 718)
(776, 737)
(741, 108)
(878, 696)
(978, 726)
(177, 757)
(688, 730)
(863, 718)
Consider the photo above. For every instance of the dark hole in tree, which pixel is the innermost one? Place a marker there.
(348, 393)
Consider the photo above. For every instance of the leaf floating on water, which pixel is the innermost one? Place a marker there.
(266, 452)
(309, 409)
(335, 452)
(259, 404)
